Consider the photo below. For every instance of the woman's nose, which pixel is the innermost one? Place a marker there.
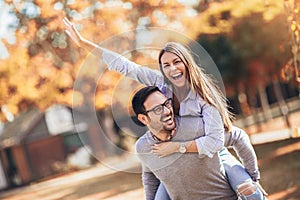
(173, 67)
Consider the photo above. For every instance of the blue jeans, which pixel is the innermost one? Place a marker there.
(236, 175)
(161, 193)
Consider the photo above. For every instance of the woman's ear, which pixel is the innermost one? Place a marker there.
(143, 118)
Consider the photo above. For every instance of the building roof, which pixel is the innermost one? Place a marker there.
(14, 132)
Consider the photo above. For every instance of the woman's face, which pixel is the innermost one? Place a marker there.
(174, 69)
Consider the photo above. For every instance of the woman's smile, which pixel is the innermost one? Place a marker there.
(174, 69)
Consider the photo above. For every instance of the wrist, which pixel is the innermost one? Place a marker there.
(182, 149)
(84, 41)
(177, 146)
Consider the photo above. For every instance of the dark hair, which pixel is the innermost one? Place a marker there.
(140, 97)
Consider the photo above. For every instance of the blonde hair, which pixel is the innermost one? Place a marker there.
(200, 82)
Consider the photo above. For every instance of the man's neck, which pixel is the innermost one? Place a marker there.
(162, 136)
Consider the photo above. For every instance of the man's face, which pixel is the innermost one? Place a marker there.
(159, 122)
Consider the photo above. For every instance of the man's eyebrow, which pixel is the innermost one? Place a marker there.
(154, 106)
(158, 104)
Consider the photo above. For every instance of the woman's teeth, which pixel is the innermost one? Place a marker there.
(177, 76)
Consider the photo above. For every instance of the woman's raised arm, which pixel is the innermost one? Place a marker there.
(115, 61)
(77, 38)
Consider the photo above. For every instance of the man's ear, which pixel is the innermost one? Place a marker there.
(143, 118)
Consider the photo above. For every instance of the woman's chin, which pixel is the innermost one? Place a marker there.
(178, 83)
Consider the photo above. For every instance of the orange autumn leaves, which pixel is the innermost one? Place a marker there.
(43, 64)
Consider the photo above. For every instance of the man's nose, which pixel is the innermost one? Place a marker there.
(167, 110)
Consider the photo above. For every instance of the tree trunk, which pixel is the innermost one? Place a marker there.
(281, 102)
(264, 103)
(253, 104)
(243, 101)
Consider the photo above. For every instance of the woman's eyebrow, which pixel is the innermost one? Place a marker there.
(171, 61)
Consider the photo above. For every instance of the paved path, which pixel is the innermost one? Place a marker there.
(107, 183)
(72, 186)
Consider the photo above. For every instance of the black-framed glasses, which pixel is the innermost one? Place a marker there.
(159, 109)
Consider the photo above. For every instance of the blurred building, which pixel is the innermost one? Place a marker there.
(33, 143)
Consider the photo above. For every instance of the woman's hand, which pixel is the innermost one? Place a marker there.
(165, 148)
(72, 31)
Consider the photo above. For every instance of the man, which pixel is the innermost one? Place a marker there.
(184, 176)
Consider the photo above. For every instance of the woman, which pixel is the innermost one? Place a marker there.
(194, 93)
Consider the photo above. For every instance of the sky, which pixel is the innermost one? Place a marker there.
(9, 22)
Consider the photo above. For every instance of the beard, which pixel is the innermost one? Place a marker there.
(165, 124)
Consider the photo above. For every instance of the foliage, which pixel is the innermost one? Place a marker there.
(251, 52)
(263, 47)
(42, 65)
(226, 58)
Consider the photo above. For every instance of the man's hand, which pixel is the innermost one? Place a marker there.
(165, 148)
(72, 31)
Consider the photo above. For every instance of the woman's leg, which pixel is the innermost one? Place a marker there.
(161, 193)
(238, 178)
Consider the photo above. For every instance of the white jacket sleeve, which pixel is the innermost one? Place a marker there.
(143, 75)
(213, 140)
(239, 140)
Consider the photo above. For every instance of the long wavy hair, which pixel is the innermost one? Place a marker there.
(204, 85)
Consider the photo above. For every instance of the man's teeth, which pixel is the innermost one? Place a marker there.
(166, 119)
